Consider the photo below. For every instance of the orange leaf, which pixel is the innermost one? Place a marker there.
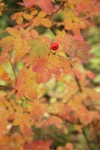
(39, 65)
(44, 76)
(46, 22)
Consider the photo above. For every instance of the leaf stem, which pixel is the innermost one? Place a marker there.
(12, 68)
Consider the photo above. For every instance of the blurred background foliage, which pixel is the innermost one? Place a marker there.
(93, 37)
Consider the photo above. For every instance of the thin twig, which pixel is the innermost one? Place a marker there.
(71, 97)
(78, 84)
(3, 87)
(87, 140)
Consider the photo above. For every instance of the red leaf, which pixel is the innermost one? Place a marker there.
(83, 46)
(29, 3)
(54, 69)
(83, 55)
(44, 76)
(39, 65)
(46, 5)
(26, 131)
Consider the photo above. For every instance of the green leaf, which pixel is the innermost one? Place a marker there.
(39, 48)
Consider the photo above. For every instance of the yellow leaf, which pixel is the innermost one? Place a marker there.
(68, 25)
(14, 32)
(27, 16)
(17, 121)
(18, 43)
(20, 53)
(41, 14)
(54, 60)
(34, 12)
(7, 41)
(78, 127)
(19, 20)
(46, 22)
(56, 108)
(1, 70)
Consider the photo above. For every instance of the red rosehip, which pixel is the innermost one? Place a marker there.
(54, 46)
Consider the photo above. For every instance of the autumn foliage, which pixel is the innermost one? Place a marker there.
(35, 112)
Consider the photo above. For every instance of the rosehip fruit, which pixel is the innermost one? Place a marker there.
(54, 46)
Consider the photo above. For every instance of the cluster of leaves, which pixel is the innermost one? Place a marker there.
(33, 116)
